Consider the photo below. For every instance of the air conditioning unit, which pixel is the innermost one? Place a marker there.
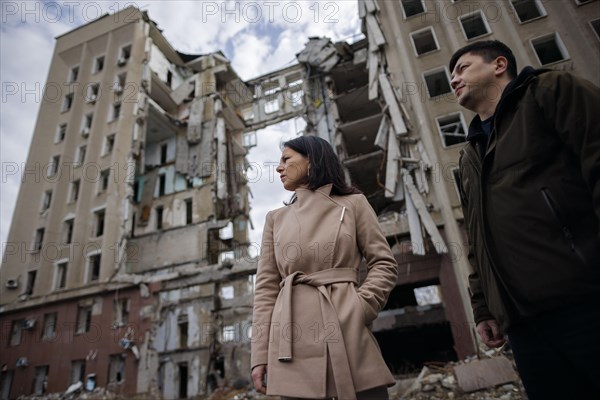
(121, 61)
(12, 283)
(22, 362)
(118, 89)
(29, 323)
(91, 98)
(85, 132)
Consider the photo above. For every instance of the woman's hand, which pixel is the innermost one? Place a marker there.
(259, 378)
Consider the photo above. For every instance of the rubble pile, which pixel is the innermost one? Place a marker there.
(492, 376)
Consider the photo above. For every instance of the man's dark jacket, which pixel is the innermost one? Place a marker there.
(531, 198)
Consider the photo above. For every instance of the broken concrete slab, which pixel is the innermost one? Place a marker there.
(486, 373)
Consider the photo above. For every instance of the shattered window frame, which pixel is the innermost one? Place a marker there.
(60, 277)
(98, 64)
(447, 121)
(94, 266)
(84, 319)
(61, 133)
(46, 200)
(49, 327)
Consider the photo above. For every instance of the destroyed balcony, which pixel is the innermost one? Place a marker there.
(354, 104)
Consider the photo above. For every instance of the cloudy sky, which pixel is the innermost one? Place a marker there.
(257, 36)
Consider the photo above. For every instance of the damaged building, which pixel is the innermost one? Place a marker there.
(127, 265)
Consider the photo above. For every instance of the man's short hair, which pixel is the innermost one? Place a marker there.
(488, 50)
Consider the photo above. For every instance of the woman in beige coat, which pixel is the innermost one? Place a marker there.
(310, 334)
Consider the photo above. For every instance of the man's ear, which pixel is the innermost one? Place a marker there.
(501, 65)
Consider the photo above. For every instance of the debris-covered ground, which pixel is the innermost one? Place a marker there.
(492, 376)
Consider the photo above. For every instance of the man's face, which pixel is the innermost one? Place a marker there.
(474, 81)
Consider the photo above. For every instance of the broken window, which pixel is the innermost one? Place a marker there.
(227, 292)
(98, 64)
(61, 132)
(272, 101)
(103, 184)
(452, 128)
(249, 139)
(159, 217)
(163, 153)
(412, 7)
(49, 329)
(121, 312)
(116, 369)
(94, 267)
(92, 93)
(77, 371)
(61, 276)
(162, 181)
(31, 275)
(188, 211)
(119, 84)
(528, 10)
(124, 55)
(228, 333)
(46, 200)
(81, 150)
(595, 24)
(39, 239)
(73, 74)
(183, 380)
(86, 124)
(424, 41)
(15, 332)
(40, 380)
(6, 379)
(116, 111)
(169, 78)
(74, 190)
(474, 25)
(549, 49)
(68, 230)
(182, 325)
(84, 319)
(53, 166)
(99, 222)
(109, 144)
(437, 82)
(67, 102)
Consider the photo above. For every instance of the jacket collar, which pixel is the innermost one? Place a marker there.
(303, 193)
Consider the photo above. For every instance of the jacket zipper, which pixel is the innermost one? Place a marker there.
(337, 234)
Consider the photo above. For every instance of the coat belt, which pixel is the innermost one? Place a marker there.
(337, 349)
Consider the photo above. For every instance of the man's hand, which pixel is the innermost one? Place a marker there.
(259, 378)
(490, 333)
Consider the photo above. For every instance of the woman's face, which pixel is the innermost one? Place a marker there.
(293, 169)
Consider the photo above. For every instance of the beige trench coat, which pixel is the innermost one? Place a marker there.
(310, 321)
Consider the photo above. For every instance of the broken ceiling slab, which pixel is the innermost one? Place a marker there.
(392, 166)
(320, 53)
(394, 110)
(359, 135)
(410, 316)
(363, 170)
(393, 224)
(486, 373)
(426, 219)
(355, 105)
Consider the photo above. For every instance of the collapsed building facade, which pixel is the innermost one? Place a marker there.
(127, 265)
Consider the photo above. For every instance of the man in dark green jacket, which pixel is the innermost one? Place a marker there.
(530, 187)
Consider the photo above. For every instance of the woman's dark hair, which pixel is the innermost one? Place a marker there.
(325, 166)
